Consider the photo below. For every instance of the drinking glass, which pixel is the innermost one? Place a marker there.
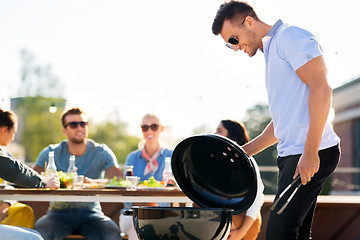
(133, 182)
(78, 181)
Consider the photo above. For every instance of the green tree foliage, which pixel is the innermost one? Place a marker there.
(37, 126)
(115, 136)
(257, 118)
(36, 79)
(39, 89)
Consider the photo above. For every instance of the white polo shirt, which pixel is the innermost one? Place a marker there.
(286, 48)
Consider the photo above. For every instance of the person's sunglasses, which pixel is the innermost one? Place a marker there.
(234, 40)
(74, 125)
(153, 127)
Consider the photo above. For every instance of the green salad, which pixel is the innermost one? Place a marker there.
(118, 182)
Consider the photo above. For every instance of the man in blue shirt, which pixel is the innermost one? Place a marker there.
(299, 102)
(91, 160)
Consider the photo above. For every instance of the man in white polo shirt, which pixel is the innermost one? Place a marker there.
(299, 98)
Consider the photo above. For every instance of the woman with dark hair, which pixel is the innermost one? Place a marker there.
(233, 130)
(14, 171)
(247, 224)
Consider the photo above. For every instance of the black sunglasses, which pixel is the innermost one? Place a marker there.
(153, 127)
(234, 40)
(76, 124)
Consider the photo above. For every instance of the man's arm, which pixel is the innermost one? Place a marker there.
(264, 140)
(114, 171)
(39, 169)
(313, 74)
(41, 161)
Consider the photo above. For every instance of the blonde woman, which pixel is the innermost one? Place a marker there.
(148, 161)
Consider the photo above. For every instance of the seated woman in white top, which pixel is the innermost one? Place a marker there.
(247, 224)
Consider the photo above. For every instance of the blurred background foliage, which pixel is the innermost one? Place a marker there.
(37, 126)
(256, 119)
(115, 136)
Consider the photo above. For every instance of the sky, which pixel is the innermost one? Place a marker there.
(122, 59)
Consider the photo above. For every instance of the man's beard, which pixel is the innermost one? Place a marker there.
(253, 47)
(77, 141)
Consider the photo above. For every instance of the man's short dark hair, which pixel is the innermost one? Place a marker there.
(72, 111)
(234, 11)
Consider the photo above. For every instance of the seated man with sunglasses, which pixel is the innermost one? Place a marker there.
(92, 160)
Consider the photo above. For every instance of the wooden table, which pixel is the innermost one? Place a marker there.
(95, 195)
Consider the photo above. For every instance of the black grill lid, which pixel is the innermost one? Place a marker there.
(214, 172)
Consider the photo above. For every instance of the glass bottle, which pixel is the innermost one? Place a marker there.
(51, 167)
(71, 172)
(72, 168)
(167, 173)
(129, 171)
